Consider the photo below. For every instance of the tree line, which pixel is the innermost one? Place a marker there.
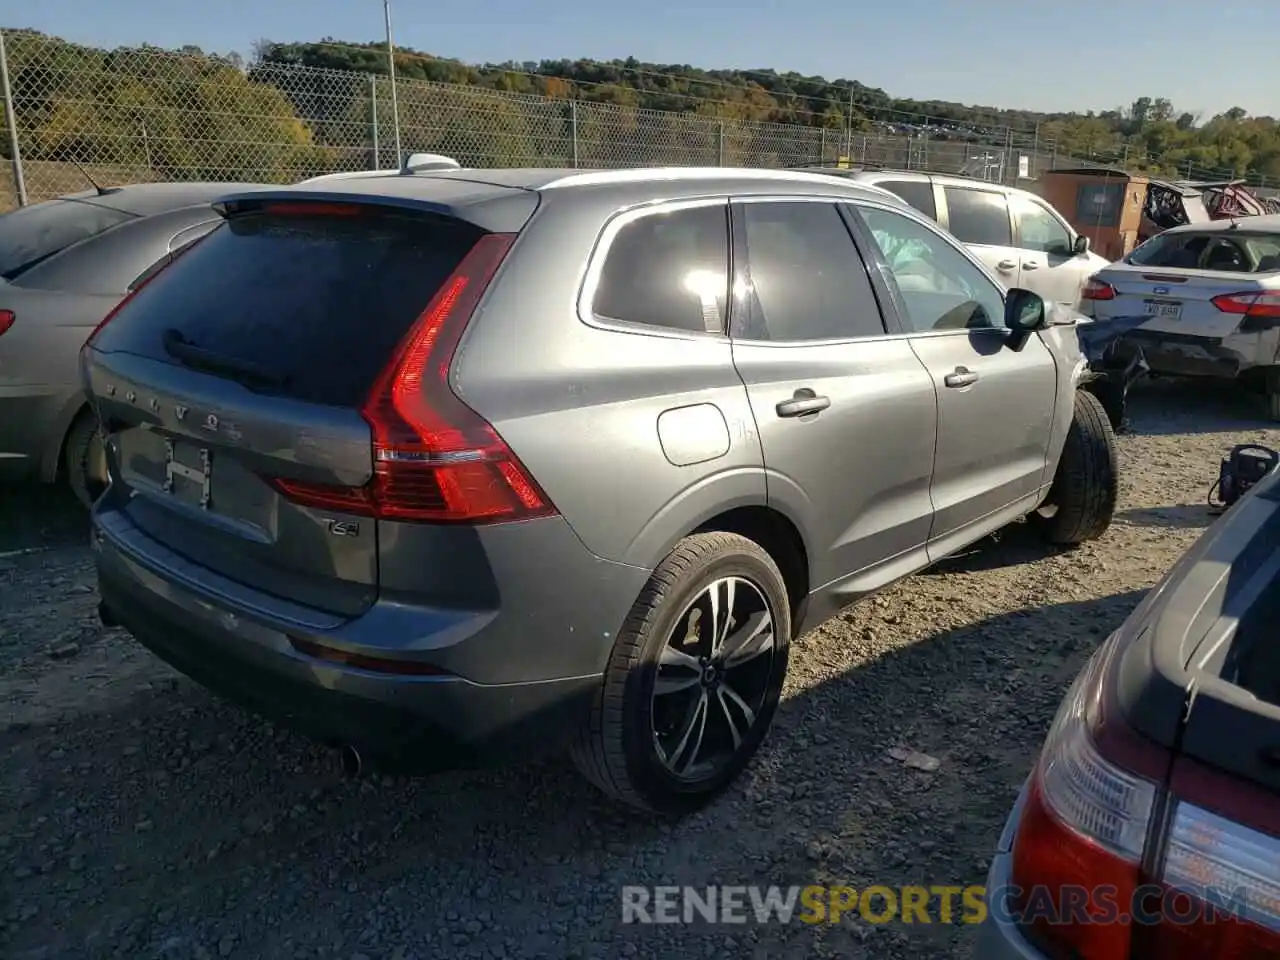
(189, 113)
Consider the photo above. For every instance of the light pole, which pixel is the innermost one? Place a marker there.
(391, 71)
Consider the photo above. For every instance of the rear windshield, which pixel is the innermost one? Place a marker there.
(29, 235)
(1229, 251)
(306, 307)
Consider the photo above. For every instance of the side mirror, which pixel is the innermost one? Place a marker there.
(1024, 314)
(1081, 246)
(1024, 311)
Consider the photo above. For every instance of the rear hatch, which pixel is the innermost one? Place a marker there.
(240, 371)
(1180, 299)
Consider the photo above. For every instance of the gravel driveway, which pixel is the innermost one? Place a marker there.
(139, 817)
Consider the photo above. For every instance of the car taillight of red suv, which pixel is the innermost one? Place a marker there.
(1118, 855)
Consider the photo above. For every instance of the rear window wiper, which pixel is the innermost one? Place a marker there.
(200, 358)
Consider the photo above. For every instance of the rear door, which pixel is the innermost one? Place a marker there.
(846, 412)
(995, 404)
(242, 367)
(979, 217)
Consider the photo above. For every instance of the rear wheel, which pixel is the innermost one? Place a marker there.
(1082, 500)
(1272, 385)
(694, 678)
(83, 460)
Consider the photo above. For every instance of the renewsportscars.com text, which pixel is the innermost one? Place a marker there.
(926, 905)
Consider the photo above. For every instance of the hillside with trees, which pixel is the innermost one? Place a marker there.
(277, 116)
(1149, 134)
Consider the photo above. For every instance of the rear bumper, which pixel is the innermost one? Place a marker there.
(1191, 356)
(998, 936)
(403, 722)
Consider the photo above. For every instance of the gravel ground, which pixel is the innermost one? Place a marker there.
(139, 817)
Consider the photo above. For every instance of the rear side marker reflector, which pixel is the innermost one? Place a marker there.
(6, 320)
(343, 658)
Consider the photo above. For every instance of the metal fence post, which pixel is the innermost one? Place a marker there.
(11, 119)
(573, 131)
(373, 110)
(720, 144)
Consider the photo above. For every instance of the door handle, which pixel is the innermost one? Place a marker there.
(804, 401)
(1006, 265)
(962, 377)
(1030, 266)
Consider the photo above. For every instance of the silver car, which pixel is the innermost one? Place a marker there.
(1017, 235)
(64, 264)
(463, 465)
(1209, 298)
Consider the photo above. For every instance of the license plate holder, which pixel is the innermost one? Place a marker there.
(182, 477)
(1164, 309)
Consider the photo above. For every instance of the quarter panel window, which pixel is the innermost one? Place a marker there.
(978, 216)
(668, 269)
(916, 193)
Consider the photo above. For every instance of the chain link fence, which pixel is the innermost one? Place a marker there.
(137, 115)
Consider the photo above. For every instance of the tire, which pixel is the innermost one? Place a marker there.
(1272, 387)
(620, 746)
(1084, 492)
(82, 458)
(1112, 398)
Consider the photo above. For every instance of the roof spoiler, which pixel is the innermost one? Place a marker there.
(416, 162)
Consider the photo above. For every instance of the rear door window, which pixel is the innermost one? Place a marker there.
(316, 304)
(668, 269)
(30, 235)
(918, 194)
(978, 216)
(808, 281)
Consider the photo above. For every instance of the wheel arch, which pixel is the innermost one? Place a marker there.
(74, 407)
(731, 506)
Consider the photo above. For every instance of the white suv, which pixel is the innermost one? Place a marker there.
(1023, 239)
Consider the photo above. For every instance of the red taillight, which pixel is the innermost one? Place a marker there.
(1097, 289)
(1211, 852)
(435, 459)
(1079, 852)
(1080, 841)
(1250, 304)
(6, 320)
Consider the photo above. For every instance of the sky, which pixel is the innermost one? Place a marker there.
(1034, 54)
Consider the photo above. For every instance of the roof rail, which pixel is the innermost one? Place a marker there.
(644, 174)
(416, 162)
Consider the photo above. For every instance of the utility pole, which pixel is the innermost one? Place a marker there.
(391, 71)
